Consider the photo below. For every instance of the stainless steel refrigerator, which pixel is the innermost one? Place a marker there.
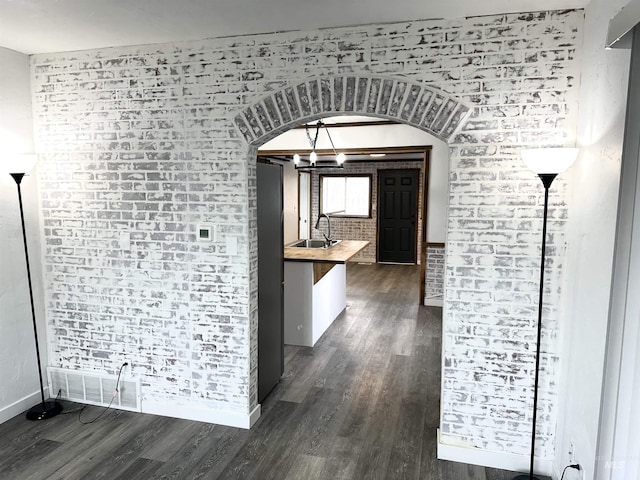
(270, 278)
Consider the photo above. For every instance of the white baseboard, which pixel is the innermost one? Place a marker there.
(255, 415)
(500, 460)
(433, 302)
(21, 405)
(374, 261)
(202, 414)
(362, 260)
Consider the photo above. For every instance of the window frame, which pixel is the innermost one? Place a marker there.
(346, 175)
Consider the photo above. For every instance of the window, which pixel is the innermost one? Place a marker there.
(345, 195)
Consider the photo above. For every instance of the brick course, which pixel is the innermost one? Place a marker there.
(153, 140)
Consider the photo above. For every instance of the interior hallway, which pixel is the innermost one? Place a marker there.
(362, 404)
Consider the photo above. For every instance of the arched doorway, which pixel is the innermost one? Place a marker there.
(401, 100)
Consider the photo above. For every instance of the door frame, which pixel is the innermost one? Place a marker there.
(426, 160)
(618, 435)
(308, 233)
(416, 209)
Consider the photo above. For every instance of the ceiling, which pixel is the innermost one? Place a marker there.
(44, 26)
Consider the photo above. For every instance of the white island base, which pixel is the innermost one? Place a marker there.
(313, 298)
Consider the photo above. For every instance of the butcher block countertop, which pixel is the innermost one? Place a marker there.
(339, 253)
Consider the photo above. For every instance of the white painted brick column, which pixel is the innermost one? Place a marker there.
(434, 275)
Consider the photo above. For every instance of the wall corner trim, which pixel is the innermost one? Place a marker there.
(255, 415)
(621, 26)
(485, 458)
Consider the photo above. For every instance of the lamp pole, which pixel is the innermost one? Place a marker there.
(547, 163)
(547, 179)
(45, 409)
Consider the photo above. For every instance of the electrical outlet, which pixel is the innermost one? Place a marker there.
(572, 451)
(128, 366)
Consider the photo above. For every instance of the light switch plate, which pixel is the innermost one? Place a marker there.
(206, 233)
(125, 241)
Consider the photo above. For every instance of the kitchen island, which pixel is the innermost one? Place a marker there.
(315, 289)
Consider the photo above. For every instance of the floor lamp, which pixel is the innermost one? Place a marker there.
(17, 168)
(547, 163)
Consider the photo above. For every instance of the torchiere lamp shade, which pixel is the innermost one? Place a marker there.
(18, 164)
(549, 160)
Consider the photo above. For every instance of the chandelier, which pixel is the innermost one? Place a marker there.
(313, 162)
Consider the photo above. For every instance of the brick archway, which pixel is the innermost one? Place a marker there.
(401, 100)
(412, 103)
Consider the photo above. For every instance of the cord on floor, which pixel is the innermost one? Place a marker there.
(575, 466)
(115, 393)
(80, 410)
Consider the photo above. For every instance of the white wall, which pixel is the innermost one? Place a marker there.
(18, 369)
(388, 136)
(438, 195)
(290, 202)
(591, 238)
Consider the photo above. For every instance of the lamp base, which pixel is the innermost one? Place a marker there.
(525, 476)
(45, 410)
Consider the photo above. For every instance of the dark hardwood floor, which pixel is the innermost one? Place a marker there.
(362, 404)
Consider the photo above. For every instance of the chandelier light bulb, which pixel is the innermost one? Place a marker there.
(296, 159)
(313, 157)
(340, 158)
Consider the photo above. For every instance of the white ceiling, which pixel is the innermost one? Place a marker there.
(43, 26)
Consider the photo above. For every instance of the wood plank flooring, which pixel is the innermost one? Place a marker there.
(362, 404)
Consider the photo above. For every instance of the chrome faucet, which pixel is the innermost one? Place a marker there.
(326, 237)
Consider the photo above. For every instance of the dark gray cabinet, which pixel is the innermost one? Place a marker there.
(270, 278)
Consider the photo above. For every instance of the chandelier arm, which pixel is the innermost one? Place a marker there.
(318, 127)
(331, 140)
(311, 142)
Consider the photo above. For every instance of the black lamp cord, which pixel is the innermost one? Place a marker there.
(574, 466)
(113, 397)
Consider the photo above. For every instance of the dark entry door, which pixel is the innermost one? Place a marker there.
(397, 212)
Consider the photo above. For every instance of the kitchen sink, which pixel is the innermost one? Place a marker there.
(309, 243)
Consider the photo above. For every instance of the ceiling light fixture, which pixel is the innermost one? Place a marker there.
(313, 161)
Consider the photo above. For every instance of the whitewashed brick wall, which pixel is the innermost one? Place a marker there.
(150, 140)
(434, 275)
